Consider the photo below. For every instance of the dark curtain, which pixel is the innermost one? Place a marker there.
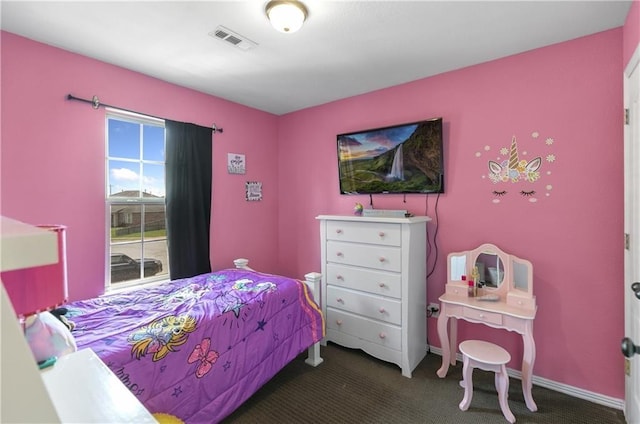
(188, 198)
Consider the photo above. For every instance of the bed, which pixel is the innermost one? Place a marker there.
(198, 347)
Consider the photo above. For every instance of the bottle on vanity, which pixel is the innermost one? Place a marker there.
(475, 277)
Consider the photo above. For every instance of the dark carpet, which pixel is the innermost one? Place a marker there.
(352, 387)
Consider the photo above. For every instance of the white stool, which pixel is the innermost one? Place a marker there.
(489, 357)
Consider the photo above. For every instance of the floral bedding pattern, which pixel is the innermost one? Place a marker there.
(198, 347)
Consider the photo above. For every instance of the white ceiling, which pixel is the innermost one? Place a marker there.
(345, 48)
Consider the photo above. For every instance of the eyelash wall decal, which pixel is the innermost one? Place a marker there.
(499, 193)
(528, 193)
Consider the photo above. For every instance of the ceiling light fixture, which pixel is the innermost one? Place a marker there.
(286, 15)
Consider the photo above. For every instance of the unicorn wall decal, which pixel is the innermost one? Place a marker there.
(515, 169)
(511, 170)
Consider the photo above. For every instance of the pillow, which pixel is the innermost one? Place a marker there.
(47, 336)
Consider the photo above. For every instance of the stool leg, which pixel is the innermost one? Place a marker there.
(502, 386)
(467, 380)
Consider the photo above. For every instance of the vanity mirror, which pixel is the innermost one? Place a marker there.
(490, 268)
(502, 274)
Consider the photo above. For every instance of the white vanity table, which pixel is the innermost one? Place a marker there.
(508, 278)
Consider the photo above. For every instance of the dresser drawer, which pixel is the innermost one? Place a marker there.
(385, 258)
(367, 280)
(371, 306)
(364, 232)
(373, 331)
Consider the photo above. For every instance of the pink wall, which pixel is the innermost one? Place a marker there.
(569, 92)
(52, 149)
(52, 170)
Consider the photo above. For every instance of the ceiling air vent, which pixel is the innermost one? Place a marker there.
(233, 38)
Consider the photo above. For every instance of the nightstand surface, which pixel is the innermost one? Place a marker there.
(83, 389)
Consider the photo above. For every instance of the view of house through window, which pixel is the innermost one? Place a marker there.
(136, 231)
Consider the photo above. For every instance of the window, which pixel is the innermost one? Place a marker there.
(135, 201)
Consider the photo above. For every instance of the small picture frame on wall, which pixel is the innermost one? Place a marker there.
(236, 163)
(253, 191)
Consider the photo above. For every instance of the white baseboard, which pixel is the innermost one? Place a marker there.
(558, 387)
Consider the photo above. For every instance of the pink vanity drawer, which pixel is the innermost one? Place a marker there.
(521, 301)
(483, 316)
(456, 290)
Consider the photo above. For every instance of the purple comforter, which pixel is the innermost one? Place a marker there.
(199, 347)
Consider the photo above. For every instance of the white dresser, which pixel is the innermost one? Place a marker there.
(374, 285)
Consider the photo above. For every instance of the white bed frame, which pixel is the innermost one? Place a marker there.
(312, 280)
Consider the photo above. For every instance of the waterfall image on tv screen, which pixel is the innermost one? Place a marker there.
(404, 158)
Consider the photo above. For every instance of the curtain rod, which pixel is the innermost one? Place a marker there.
(95, 102)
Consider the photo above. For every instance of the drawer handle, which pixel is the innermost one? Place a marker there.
(339, 322)
(339, 277)
(381, 259)
(338, 231)
(481, 316)
(382, 336)
(339, 300)
(382, 311)
(339, 254)
(381, 233)
(381, 285)
(520, 302)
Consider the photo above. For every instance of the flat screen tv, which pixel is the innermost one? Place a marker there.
(406, 158)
